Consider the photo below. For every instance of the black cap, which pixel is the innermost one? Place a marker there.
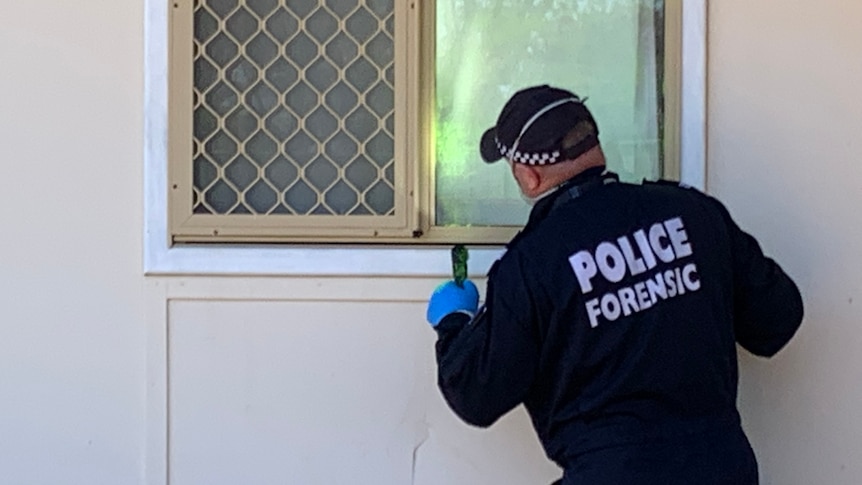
(533, 124)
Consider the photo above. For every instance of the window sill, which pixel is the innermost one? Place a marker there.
(269, 260)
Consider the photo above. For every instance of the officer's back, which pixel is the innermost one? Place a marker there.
(637, 288)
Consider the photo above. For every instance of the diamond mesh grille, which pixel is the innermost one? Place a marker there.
(294, 107)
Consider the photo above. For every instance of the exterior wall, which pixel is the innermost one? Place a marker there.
(330, 380)
(72, 332)
(785, 116)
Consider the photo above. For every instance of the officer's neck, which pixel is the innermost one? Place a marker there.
(544, 206)
(550, 177)
(584, 175)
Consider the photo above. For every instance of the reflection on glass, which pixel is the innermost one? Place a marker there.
(606, 51)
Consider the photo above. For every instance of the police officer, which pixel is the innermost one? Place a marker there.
(614, 315)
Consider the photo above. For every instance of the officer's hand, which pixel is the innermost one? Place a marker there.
(448, 298)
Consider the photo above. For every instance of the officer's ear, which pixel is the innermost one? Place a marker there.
(528, 177)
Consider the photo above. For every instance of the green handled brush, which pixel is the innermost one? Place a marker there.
(459, 264)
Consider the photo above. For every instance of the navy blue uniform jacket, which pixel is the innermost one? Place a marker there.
(614, 318)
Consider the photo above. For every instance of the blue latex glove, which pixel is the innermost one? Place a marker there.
(449, 298)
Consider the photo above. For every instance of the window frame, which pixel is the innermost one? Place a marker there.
(481, 234)
(161, 256)
(193, 227)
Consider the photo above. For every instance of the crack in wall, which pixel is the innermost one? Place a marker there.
(426, 435)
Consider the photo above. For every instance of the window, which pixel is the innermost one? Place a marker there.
(358, 121)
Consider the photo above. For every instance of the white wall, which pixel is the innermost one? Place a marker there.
(785, 153)
(301, 386)
(72, 332)
(86, 342)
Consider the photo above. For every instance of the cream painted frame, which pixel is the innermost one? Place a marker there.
(478, 235)
(161, 257)
(226, 228)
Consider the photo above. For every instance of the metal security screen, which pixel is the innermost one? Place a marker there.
(294, 107)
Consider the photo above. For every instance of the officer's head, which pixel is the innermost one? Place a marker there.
(548, 136)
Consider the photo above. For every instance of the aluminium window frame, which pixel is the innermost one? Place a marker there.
(161, 257)
(188, 226)
(479, 235)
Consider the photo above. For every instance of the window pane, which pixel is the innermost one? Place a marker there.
(607, 51)
(293, 109)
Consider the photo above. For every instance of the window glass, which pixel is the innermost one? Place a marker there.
(608, 51)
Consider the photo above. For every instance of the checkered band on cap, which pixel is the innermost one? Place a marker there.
(543, 158)
(540, 158)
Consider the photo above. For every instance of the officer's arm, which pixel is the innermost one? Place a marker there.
(767, 304)
(486, 365)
